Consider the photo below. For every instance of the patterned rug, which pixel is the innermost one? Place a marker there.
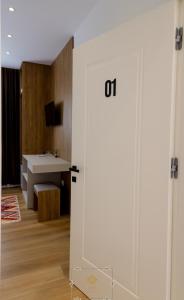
(10, 211)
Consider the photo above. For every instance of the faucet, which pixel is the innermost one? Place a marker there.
(55, 153)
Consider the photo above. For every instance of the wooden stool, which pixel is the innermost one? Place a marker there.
(47, 201)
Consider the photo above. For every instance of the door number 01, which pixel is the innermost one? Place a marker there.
(110, 88)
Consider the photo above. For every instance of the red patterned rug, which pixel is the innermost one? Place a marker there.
(10, 211)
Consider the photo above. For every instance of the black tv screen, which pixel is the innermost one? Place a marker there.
(57, 114)
(49, 113)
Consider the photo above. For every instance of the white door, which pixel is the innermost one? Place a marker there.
(122, 145)
(178, 203)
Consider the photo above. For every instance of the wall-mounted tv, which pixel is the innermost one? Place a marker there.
(58, 114)
(49, 113)
(53, 114)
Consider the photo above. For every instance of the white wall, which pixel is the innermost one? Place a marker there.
(108, 14)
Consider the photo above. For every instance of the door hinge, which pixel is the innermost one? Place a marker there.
(179, 38)
(174, 167)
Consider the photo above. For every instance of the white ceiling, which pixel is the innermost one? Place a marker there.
(40, 28)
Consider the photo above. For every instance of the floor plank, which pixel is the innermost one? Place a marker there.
(35, 257)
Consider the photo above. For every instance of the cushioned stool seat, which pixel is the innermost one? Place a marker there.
(47, 201)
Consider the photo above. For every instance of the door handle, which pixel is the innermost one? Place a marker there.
(74, 169)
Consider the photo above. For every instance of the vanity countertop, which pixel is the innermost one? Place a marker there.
(46, 163)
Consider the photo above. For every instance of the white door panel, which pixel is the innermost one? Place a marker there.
(120, 217)
(113, 130)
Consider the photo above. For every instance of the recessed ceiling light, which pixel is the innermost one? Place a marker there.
(10, 36)
(7, 52)
(11, 9)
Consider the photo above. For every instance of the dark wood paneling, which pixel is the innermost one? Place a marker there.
(41, 84)
(61, 71)
(36, 91)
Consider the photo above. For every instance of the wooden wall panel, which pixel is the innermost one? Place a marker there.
(41, 84)
(36, 91)
(61, 72)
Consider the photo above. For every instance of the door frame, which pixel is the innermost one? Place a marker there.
(177, 274)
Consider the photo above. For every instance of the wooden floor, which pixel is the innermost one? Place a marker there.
(35, 258)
